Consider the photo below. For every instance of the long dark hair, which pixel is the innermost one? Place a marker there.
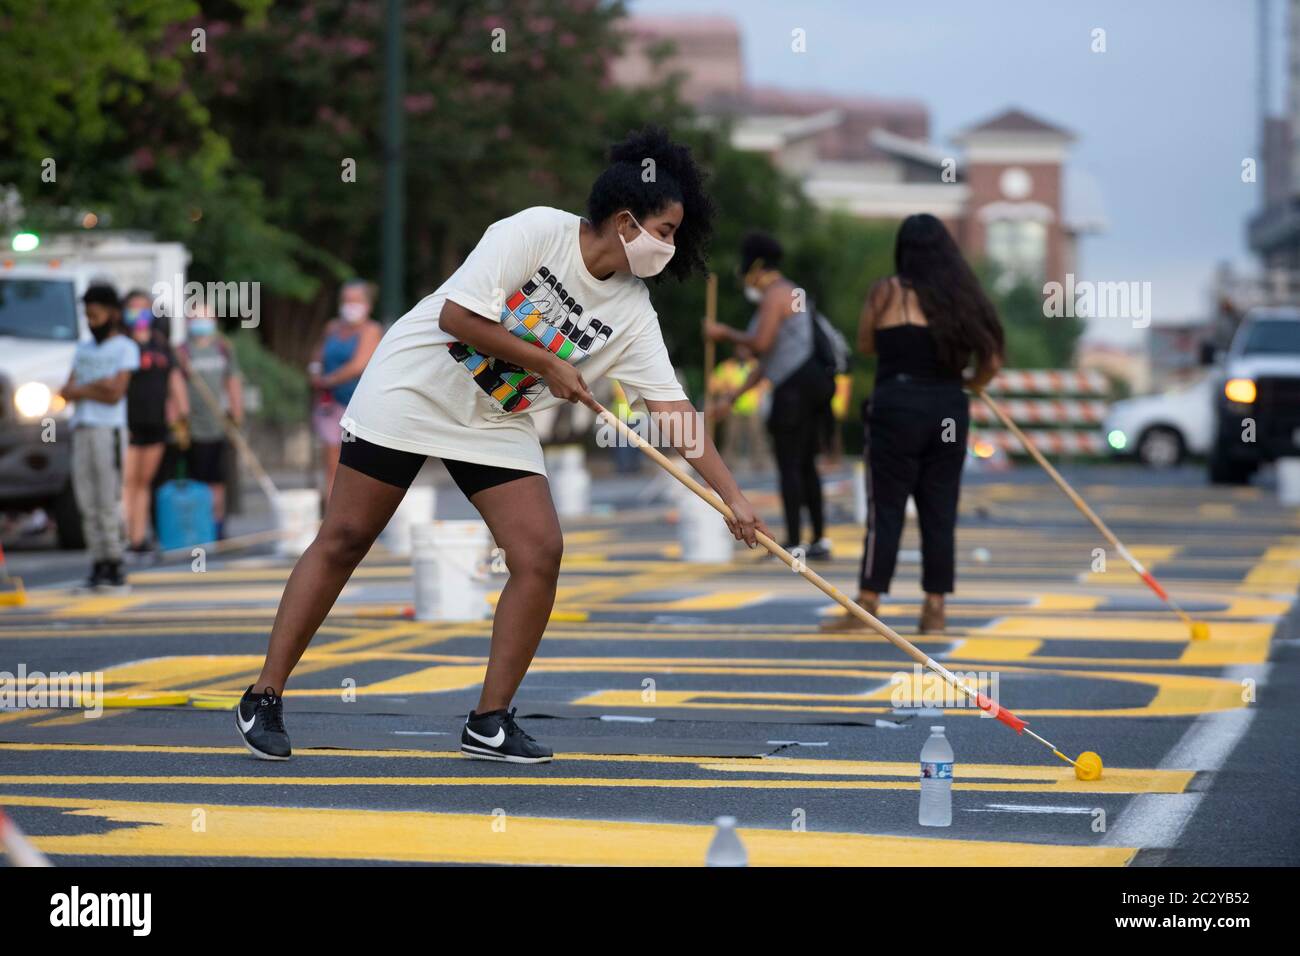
(962, 319)
(677, 178)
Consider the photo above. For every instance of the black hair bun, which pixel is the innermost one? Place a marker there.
(676, 177)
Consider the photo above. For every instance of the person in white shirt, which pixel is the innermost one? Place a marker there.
(101, 373)
(545, 303)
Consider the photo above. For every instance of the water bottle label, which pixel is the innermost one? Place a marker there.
(936, 771)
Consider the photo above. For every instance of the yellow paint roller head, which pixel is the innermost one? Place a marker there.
(1088, 766)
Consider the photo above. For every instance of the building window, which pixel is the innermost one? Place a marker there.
(1019, 248)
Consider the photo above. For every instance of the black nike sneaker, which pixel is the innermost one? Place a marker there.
(260, 719)
(496, 736)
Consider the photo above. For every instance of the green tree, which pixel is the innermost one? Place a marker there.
(505, 107)
(1034, 340)
(100, 89)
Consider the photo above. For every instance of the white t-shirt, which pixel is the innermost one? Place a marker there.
(93, 361)
(424, 392)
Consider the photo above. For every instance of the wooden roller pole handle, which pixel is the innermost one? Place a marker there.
(235, 436)
(986, 704)
(1052, 473)
(790, 560)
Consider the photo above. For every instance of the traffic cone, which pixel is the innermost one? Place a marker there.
(11, 589)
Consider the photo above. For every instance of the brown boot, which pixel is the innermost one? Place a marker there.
(847, 622)
(932, 617)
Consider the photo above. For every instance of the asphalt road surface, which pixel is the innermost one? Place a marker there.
(674, 693)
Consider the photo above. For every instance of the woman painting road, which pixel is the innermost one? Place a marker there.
(545, 303)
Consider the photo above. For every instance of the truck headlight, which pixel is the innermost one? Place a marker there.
(1240, 390)
(33, 399)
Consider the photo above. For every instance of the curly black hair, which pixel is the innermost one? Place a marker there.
(677, 178)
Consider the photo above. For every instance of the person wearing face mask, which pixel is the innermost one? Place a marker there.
(336, 366)
(101, 374)
(783, 335)
(545, 303)
(208, 356)
(155, 399)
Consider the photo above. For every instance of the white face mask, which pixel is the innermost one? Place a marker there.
(353, 311)
(646, 255)
(753, 294)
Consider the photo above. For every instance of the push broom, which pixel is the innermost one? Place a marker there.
(1087, 767)
(1200, 631)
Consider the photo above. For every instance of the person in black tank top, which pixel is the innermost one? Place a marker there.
(926, 325)
(155, 398)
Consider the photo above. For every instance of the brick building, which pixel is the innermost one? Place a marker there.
(1005, 186)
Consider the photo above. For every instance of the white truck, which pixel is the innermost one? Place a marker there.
(41, 321)
(1257, 395)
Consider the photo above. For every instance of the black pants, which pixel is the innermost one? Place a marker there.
(916, 444)
(800, 416)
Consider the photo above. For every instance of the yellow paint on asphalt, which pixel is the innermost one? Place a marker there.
(1066, 602)
(1051, 776)
(1112, 627)
(718, 601)
(1276, 572)
(1176, 695)
(229, 832)
(804, 781)
(980, 649)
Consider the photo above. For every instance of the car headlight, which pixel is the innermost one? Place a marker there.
(1117, 439)
(1240, 390)
(33, 399)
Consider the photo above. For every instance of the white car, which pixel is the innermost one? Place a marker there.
(1161, 430)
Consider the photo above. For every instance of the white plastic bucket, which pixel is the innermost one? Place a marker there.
(449, 568)
(702, 531)
(1288, 482)
(297, 515)
(416, 509)
(566, 467)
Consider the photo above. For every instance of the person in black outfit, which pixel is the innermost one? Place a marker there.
(928, 324)
(155, 397)
(783, 335)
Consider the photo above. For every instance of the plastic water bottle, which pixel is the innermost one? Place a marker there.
(726, 848)
(936, 780)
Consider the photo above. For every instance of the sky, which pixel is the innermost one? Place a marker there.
(1164, 117)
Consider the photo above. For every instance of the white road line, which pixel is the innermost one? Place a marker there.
(1026, 808)
(1158, 819)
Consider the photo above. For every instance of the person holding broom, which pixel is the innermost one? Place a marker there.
(546, 303)
(795, 357)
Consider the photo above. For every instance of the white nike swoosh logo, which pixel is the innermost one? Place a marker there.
(244, 726)
(496, 741)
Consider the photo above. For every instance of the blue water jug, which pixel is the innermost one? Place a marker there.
(185, 515)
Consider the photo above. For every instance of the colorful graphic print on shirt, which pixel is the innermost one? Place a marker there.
(546, 314)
